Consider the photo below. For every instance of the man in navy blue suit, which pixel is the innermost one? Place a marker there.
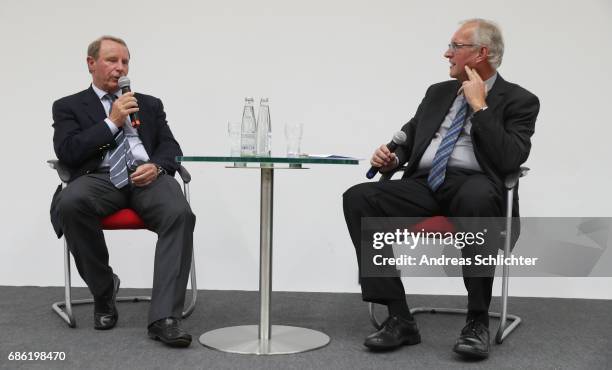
(114, 165)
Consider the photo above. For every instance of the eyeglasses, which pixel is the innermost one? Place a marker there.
(454, 46)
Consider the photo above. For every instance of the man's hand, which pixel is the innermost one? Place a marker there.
(125, 105)
(474, 90)
(144, 174)
(383, 159)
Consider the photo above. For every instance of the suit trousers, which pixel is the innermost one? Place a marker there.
(464, 193)
(163, 208)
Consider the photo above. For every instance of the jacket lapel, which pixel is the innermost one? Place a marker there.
(495, 96)
(434, 115)
(93, 106)
(144, 130)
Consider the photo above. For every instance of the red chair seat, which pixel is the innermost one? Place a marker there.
(123, 219)
(434, 224)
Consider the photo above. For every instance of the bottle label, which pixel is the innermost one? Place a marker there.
(247, 144)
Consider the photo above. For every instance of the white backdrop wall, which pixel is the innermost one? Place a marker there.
(352, 71)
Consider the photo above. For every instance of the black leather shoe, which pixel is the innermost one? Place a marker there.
(474, 341)
(395, 332)
(168, 330)
(105, 311)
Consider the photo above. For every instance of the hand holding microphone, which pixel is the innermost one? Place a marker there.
(124, 84)
(125, 105)
(384, 158)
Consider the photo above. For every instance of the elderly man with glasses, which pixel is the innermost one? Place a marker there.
(466, 136)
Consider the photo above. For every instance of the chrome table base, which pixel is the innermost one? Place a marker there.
(244, 340)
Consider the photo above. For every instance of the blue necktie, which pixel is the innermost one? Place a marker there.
(438, 165)
(121, 157)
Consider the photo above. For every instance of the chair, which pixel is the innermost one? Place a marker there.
(124, 219)
(440, 223)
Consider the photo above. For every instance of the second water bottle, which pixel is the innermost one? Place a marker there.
(264, 129)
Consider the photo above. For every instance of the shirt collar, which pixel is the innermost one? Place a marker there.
(101, 93)
(490, 81)
(488, 84)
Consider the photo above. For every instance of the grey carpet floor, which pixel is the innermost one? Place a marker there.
(555, 333)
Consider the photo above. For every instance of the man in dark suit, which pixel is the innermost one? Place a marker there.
(466, 136)
(114, 165)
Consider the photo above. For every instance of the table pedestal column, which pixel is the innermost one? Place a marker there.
(264, 339)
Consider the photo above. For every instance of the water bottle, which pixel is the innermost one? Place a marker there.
(248, 129)
(264, 129)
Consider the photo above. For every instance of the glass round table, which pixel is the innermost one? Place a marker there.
(264, 338)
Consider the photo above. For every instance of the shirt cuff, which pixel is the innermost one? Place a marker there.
(111, 126)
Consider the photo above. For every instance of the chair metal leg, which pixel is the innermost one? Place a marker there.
(377, 324)
(64, 309)
(186, 192)
(505, 330)
(194, 289)
(194, 286)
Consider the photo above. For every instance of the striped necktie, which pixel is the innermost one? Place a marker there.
(121, 157)
(438, 165)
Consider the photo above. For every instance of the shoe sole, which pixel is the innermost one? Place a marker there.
(178, 343)
(409, 341)
(470, 352)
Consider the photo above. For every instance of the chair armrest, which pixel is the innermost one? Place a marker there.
(62, 170)
(513, 178)
(185, 176)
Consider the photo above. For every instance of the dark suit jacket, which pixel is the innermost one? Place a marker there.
(81, 138)
(501, 135)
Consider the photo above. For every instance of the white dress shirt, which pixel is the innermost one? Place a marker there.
(463, 151)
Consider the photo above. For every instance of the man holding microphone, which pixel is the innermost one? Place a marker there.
(115, 163)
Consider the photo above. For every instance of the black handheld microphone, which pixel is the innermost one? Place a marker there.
(124, 84)
(399, 138)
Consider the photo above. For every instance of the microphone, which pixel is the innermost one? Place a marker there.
(124, 84)
(399, 138)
